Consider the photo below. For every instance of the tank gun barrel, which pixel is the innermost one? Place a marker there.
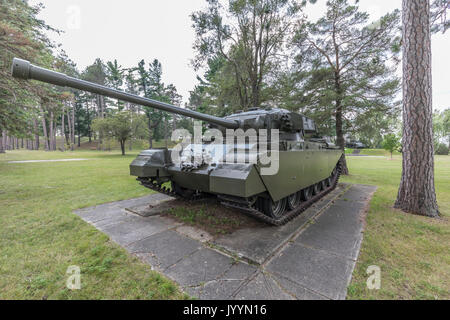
(25, 70)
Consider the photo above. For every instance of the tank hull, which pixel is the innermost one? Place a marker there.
(297, 170)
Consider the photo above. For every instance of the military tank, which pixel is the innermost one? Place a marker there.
(234, 171)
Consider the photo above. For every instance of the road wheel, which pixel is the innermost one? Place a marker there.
(306, 193)
(274, 209)
(294, 200)
(316, 188)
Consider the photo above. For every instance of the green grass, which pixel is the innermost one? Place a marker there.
(40, 236)
(211, 217)
(412, 251)
(373, 152)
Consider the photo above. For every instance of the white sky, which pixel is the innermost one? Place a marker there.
(134, 29)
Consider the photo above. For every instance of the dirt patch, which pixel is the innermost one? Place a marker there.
(209, 215)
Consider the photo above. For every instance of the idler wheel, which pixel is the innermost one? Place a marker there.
(294, 200)
(274, 209)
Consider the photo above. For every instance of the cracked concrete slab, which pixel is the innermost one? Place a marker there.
(296, 290)
(317, 270)
(225, 285)
(202, 266)
(147, 210)
(311, 257)
(262, 287)
(133, 229)
(168, 247)
(113, 210)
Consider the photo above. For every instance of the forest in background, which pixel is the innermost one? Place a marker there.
(339, 70)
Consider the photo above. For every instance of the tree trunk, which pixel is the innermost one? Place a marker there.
(36, 134)
(51, 131)
(2, 144)
(88, 121)
(62, 129)
(44, 128)
(7, 142)
(54, 135)
(72, 143)
(78, 132)
(166, 133)
(100, 101)
(340, 141)
(69, 127)
(122, 146)
(416, 193)
(150, 136)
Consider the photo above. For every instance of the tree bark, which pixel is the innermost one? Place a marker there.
(122, 146)
(72, 143)
(88, 121)
(166, 133)
(340, 141)
(150, 135)
(62, 129)
(2, 144)
(69, 128)
(100, 101)
(36, 134)
(44, 128)
(416, 193)
(52, 133)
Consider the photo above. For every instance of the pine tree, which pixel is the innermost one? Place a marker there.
(248, 35)
(346, 66)
(416, 193)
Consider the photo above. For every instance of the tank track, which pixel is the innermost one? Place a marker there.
(288, 216)
(168, 191)
(247, 208)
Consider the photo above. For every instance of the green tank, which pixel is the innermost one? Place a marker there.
(268, 162)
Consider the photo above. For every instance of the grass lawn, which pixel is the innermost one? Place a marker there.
(40, 237)
(412, 251)
(373, 152)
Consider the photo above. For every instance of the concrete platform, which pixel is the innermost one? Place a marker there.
(311, 257)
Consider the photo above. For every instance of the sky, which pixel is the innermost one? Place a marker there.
(134, 29)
